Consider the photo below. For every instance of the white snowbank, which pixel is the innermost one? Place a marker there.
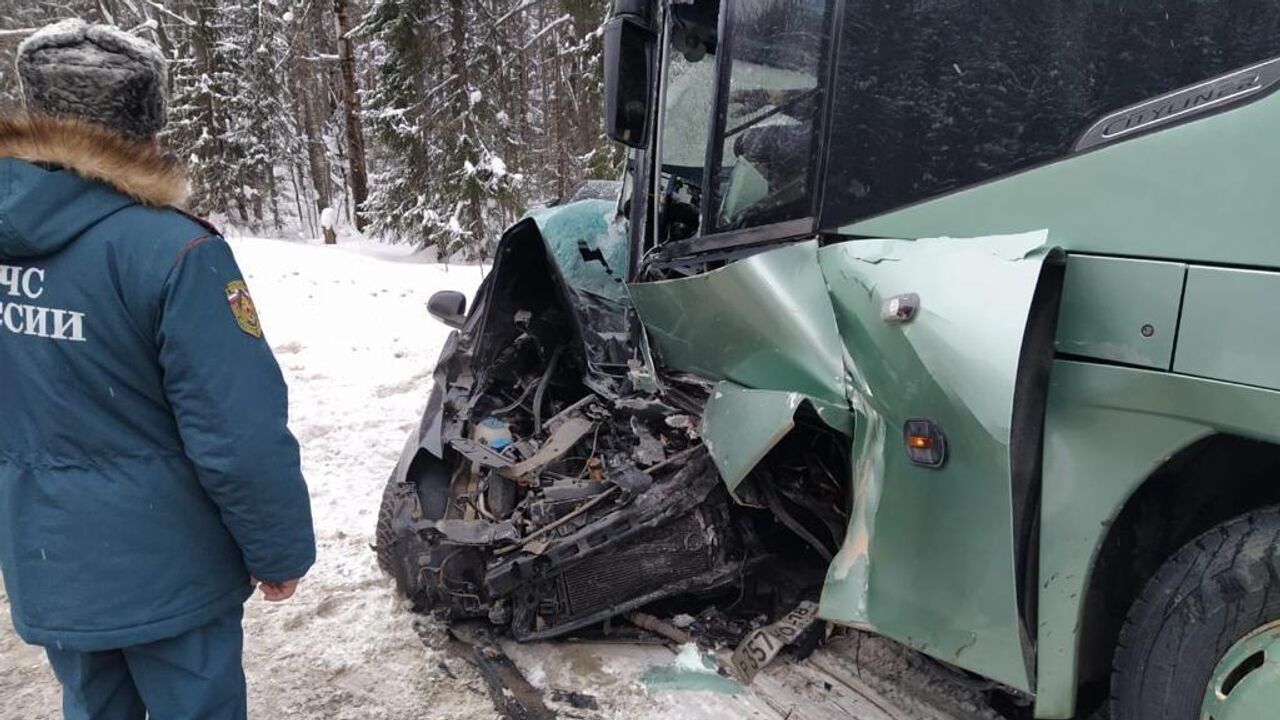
(328, 218)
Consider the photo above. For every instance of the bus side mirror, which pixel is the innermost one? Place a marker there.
(629, 47)
(449, 307)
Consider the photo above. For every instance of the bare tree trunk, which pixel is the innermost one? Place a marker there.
(297, 195)
(351, 108)
(319, 164)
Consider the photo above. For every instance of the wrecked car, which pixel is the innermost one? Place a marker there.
(953, 316)
(558, 479)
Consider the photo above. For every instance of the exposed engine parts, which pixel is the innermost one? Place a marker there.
(566, 510)
(561, 486)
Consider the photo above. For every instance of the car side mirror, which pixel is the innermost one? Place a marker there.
(449, 307)
(629, 46)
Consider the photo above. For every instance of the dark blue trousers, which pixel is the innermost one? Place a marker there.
(195, 676)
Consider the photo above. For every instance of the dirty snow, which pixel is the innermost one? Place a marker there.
(349, 326)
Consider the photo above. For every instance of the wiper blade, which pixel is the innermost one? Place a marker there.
(780, 108)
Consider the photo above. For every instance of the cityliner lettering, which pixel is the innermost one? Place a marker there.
(1183, 104)
(1176, 106)
(19, 288)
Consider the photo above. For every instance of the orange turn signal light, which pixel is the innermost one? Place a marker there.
(919, 442)
(926, 443)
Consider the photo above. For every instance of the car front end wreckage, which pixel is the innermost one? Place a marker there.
(559, 480)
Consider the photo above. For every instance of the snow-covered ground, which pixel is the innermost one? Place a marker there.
(350, 329)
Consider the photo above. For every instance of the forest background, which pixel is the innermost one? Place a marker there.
(436, 123)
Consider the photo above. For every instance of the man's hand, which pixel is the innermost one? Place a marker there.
(276, 592)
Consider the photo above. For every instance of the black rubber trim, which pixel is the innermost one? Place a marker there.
(777, 232)
(1026, 441)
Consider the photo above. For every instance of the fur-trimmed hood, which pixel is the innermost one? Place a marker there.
(58, 178)
(134, 168)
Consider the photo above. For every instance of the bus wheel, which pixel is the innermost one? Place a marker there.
(1203, 639)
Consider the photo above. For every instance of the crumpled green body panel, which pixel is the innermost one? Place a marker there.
(930, 553)
(763, 323)
(929, 557)
(740, 426)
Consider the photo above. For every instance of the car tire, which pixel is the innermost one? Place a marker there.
(1214, 592)
(384, 538)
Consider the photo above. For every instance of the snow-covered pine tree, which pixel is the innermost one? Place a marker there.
(400, 36)
(206, 115)
(268, 130)
(496, 103)
(476, 187)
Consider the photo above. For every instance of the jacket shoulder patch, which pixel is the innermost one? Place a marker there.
(242, 307)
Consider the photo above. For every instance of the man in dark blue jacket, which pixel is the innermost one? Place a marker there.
(147, 476)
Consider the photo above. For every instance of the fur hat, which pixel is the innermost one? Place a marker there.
(97, 73)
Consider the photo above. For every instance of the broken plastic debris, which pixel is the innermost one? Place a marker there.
(649, 450)
(692, 659)
(692, 670)
(683, 422)
(561, 442)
